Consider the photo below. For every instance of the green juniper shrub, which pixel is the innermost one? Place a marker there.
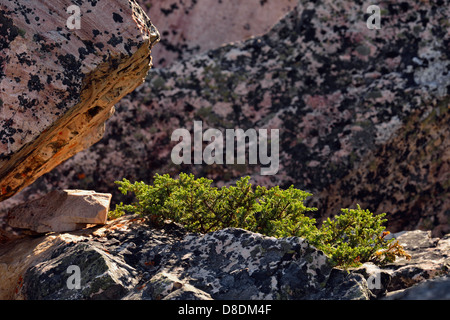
(357, 236)
(354, 237)
(203, 208)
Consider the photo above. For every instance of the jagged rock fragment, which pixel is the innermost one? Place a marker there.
(61, 211)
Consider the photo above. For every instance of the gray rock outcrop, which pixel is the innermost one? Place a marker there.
(131, 259)
(435, 289)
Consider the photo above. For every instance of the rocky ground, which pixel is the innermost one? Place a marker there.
(131, 259)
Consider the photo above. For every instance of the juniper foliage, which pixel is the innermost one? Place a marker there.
(349, 239)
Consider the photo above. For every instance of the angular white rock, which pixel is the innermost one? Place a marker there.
(61, 211)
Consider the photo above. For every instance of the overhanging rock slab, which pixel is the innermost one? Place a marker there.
(59, 85)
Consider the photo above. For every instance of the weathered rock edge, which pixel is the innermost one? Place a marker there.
(61, 211)
(114, 71)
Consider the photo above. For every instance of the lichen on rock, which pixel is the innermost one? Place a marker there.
(59, 85)
(132, 259)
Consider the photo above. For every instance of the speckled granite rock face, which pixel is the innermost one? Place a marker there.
(59, 85)
(363, 114)
(191, 27)
(104, 276)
